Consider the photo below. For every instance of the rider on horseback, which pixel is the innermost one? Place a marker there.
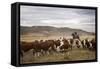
(75, 35)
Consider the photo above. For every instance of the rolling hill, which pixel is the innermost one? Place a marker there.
(51, 31)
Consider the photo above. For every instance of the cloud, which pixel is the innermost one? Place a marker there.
(58, 17)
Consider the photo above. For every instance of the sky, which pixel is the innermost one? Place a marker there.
(58, 17)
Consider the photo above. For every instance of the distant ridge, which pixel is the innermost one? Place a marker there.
(50, 30)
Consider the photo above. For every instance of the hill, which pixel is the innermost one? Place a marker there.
(51, 31)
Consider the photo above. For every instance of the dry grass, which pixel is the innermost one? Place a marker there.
(71, 55)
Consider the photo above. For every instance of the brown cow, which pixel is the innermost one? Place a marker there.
(71, 41)
(57, 42)
(44, 46)
(65, 45)
(57, 45)
(93, 42)
(25, 46)
(77, 44)
(48, 45)
(83, 42)
(88, 44)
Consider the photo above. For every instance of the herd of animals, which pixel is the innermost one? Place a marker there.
(59, 45)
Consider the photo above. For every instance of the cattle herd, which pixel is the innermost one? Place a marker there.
(59, 45)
